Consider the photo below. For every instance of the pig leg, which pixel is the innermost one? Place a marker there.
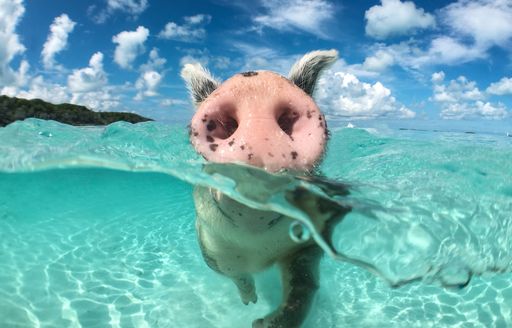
(245, 284)
(300, 275)
(243, 281)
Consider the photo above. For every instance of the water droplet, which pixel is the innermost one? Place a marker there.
(298, 232)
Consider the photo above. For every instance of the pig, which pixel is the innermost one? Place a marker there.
(262, 119)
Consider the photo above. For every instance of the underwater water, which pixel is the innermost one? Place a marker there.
(97, 229)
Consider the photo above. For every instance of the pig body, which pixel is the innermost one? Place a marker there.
(265, 120)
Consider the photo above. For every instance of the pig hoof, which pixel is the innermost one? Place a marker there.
(249, 297)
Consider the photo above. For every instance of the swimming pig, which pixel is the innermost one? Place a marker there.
(269, 121)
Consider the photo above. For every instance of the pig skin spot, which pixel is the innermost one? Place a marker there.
(250, 156)
(210, 139)
(231, 142)
(213, 147)
(249, 74)
(270, 154)
(308, 114)
(242, 147)
(294, 154)
(211, 125)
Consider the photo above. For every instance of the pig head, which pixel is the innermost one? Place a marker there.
(260, 118)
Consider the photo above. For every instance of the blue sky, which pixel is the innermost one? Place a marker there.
(448, 62)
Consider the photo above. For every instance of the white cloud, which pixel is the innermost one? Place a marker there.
(441, 50)
(471, 29)
(461, 99)
(90, 78)
(134, 7)
(438, 77)
(130, 7)
(189, 32)
(149, 80)
(457, 90)
(394, 17)
(343, 95)
(447, 50)
(154, 61)
(296, 15)
(487, 22)
(101, 100)
(47, 91)
(380, 61)
(147, 84)
(478, 109)
(10, 15)
(198, 19)
(502, 87)
(130, 44)
(57, 39)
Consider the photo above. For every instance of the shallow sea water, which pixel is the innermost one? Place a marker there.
(97, 230)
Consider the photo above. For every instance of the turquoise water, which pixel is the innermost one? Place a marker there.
(97, 230)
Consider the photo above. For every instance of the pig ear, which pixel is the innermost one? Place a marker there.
(305, 71)
(200, 82)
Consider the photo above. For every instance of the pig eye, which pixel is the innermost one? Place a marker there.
(223, 127)
(287, 120)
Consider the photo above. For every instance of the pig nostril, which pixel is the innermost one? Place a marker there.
(222, 127)
(287, 120)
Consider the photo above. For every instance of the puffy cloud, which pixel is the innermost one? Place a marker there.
(457, 90)
(471, 29)
(343, 95)
(101, 100)
(502, 87)
(394, 17)
(57, 39)
(487, 22)
(147, 84)
(130, 44)
(442, 50)
(10, 15)
(154, 61)
(150, 79)
(296, 15)
(41, 89)
(478, 109)
(438, 77)
(379, 61)
(90, 78)
(190, 32)
(461, 98)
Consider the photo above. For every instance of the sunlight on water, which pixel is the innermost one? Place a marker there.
(89, 245)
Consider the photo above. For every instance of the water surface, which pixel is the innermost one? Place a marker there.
(97, 230)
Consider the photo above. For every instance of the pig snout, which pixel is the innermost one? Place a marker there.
(260, 119)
